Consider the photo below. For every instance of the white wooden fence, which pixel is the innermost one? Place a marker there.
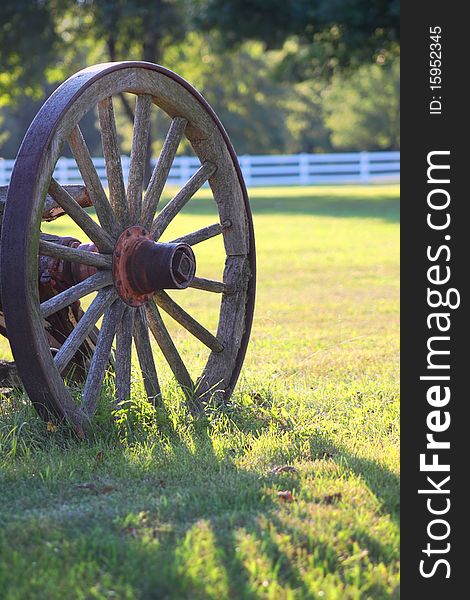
(265, 170)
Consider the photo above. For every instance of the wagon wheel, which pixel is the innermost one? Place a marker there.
(132, 267)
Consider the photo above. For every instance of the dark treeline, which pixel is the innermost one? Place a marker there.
(283, 75)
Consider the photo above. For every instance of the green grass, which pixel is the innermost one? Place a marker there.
(158, 506)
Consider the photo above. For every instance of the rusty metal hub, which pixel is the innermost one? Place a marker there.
(142, 266)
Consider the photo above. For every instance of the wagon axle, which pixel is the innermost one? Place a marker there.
(142, 266)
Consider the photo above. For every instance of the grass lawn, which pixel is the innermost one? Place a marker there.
(158, 506)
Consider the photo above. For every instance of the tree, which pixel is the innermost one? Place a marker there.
(304, 118)
(41, 40)
(237, 85)
(362, 110)
(35, 35)
(322, 35)
(264, 66)
(135, 29)
(28, 45)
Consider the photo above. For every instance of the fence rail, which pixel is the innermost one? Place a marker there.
(265, 170)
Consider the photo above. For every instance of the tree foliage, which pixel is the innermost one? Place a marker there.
(28, 45)
(362, 110)
(41, 41)
(327, 34)
(284, 76)
(238, 86)
(139, 29)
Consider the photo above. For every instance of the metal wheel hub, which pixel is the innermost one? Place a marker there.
(142, 266)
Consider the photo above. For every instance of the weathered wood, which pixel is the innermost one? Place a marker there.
(201, 235)
(93, 183)
(176, 101)
(227, 191)
(51, 209)
(50, 237)
(112, 157)
(93, 259)
(171, 354)
(99, 236)
(219, 368)
(9, 375)
(57, 327)
(145, 356)
(187, 321)
(100, 359)
(181, 199)
(54, 125)
(139, 149)
(162, 169)
(208, 285)
(103, 299)
(124, 331)
(67, 297)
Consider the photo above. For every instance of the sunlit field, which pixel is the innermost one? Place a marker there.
(292, 491)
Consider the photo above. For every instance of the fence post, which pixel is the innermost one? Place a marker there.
(3, 172)
(303, 168)
(61, 171)
(125, 168)
(185, 170)
(245, 164)
(364, 167)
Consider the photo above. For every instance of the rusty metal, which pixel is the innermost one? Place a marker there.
(52, 210)
(142, 266)
(62, 274)
(55, 276)
(79, 272)
(26, 192)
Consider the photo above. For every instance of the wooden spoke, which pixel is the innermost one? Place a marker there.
(182, 197)
(201, 235)
(161, 170)
(124, 355)
(183, 318)
(112, 157)
(79, 194)
(103, 299)
(93, 259)
(100, 359)
(145, 356)
(92, 181)
(67, 297)
(160, 332)
(99, 236)
(138, 156)
(230, 329)
(86, 351)
(208, 285)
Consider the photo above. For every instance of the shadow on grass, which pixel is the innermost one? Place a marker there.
(245, 506)
(165, 552)
(381, 482)
(384, 207)
(380, 206)
(265, 524)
